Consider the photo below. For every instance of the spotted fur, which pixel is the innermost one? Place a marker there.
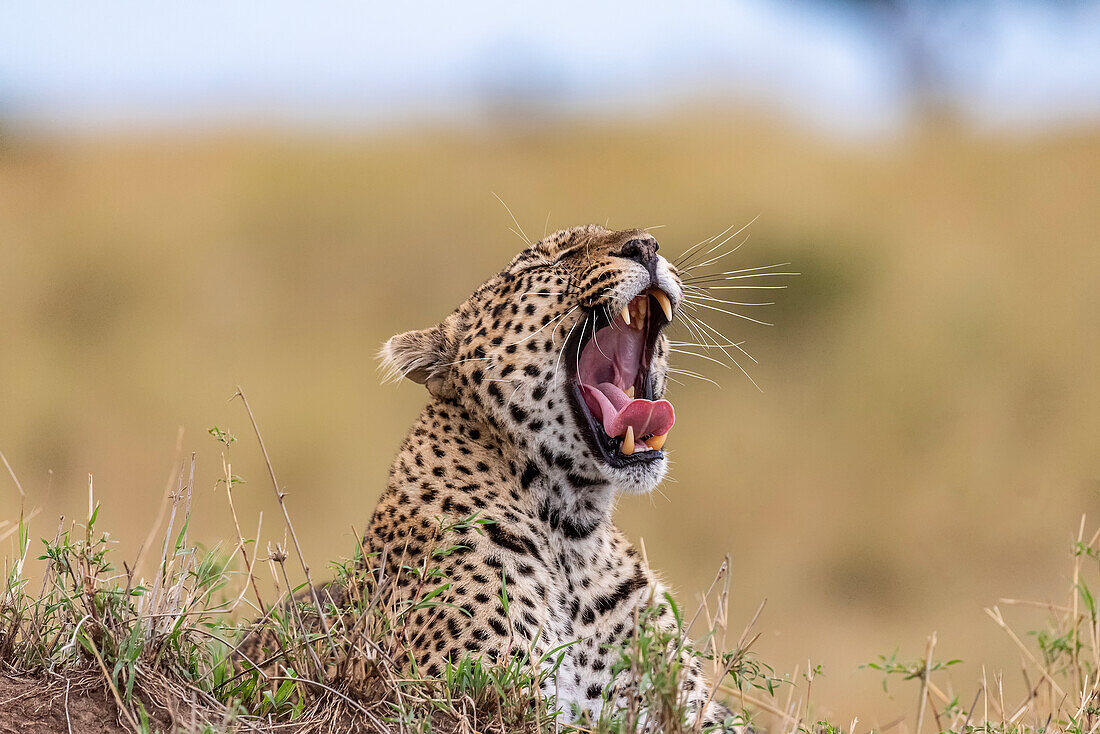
(499, 442)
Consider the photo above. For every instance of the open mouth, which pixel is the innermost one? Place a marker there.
(611, 387)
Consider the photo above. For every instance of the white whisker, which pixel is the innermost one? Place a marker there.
(753, 270)
(554, 333)
(716, 258)
(702, 346)
(682, 261)
(703, 336)
(610, 318)
(557, 362)
(733, 345)
(720, 244)
(734, 313)
(696, 375)
(701, 356)
(734, 275)
(689, 324)
(577, 366)
(521, 234)
(466, 359)
(748, 287)
(702, 324)
(558, 318)
(732, 303)
(739, 348)
(597, 341)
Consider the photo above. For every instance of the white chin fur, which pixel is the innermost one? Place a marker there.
(640, 479)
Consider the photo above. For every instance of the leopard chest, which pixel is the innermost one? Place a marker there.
(592, 592)
(575, 590)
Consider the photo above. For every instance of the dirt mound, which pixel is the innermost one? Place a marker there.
(80, 704)
(31, 705)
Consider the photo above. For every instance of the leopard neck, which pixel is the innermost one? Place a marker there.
(457, 449)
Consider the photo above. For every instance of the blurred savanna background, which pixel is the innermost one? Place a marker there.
(197, 198)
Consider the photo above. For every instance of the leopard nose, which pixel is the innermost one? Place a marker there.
(643, 251)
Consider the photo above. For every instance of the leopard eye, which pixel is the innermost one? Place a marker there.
(535, 265)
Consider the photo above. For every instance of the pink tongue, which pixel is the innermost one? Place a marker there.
(611, 405)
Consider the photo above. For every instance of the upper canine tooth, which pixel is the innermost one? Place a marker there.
(630, 392)
(666, 304)
(628, 442)
(626, 314)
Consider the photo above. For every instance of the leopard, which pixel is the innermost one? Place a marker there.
(546, 403)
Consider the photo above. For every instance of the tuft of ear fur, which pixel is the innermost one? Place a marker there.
(423, 356)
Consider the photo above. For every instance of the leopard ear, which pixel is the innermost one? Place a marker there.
(424, 356)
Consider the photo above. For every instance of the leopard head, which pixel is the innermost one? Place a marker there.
(564, 352)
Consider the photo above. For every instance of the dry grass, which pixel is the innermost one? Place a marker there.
(178, 652)
(174, 651)
(930, 412)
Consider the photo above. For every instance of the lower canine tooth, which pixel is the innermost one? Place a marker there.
(628, 441)
(630, 392)
(657, 442)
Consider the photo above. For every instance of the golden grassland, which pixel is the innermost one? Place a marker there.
(925, 442)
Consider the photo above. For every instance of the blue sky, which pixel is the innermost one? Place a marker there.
(71, 64)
